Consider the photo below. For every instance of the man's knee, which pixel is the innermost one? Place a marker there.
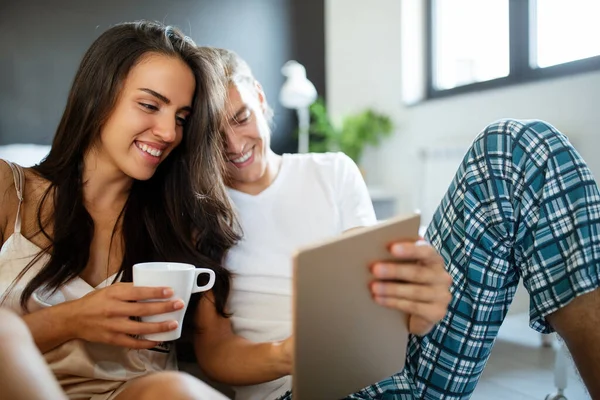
(523, 130)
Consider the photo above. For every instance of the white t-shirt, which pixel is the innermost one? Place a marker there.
(314, 196)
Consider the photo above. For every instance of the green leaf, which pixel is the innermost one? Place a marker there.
(358, 130)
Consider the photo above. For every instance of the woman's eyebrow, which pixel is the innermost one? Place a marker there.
(159, 96)
(163, 98)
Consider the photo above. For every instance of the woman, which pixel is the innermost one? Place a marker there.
(283, 203)
(134, 175)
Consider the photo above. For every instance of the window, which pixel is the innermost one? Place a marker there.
(470, 46)
(565, 31)
(475, 44)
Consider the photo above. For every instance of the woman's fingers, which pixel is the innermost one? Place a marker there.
(143, 309)
(132, 327)
(128, 292)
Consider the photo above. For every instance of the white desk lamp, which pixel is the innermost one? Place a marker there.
(298, 93)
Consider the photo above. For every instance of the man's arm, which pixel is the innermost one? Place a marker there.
(228, 358)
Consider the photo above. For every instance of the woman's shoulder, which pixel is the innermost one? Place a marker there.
(31, 188)
(13, 175)
(8, 195)
(19, 183)
(7, 180)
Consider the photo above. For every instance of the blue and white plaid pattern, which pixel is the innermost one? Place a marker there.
(523, 204)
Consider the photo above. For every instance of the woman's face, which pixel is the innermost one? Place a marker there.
(248, 134)
(147, 121)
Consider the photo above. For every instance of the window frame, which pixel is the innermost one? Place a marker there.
(519, 50)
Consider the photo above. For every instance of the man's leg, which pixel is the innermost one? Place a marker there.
(522, 204)
(23, 371)
(578, 323)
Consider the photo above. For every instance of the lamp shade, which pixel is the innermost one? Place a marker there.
(297, 91)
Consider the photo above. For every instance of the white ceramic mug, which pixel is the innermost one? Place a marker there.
(182, 278)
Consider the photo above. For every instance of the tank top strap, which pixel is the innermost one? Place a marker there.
(19, 177)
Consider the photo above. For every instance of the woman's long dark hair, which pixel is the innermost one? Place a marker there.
(180, 214)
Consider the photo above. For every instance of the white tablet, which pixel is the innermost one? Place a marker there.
(344, 341)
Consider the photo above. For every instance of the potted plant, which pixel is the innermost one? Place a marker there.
(356, 132)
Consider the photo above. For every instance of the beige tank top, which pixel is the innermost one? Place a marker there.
(84, 369)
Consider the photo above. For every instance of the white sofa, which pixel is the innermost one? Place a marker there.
(25, 155)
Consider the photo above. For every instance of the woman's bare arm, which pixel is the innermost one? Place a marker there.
(50, 327)
(48, 321)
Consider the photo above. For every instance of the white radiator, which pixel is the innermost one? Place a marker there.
(437, 167)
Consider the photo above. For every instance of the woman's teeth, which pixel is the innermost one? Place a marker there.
(148, 149)
(243, 158)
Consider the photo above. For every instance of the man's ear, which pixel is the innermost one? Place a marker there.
(262, 100)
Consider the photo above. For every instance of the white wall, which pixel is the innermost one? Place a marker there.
(363, 65)
(362, 54)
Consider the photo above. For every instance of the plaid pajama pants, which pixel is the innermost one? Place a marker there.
(523, 205)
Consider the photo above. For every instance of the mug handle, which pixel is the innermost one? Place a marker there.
(209, 285)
